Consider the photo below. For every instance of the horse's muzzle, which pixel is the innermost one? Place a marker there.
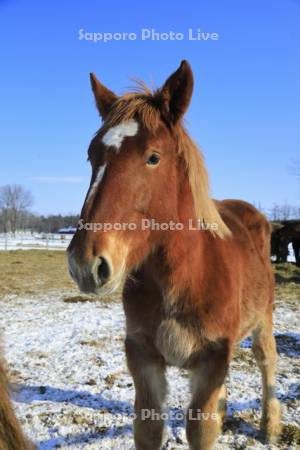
(90, 276)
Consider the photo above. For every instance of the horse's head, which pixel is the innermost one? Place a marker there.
(143, 162)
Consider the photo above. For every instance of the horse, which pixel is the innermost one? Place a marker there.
(283, 234)
(11, 434)
(279, 245)
(291, 230)
(190, 293)
(296, 248)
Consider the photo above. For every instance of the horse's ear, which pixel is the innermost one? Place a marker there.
(103, 96)
(176, 93)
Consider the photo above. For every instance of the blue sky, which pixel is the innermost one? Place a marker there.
(244, 113)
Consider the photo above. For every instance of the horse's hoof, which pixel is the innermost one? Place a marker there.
(222, 404)
(271, 426)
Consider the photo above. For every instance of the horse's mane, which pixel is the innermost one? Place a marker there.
(144, 103)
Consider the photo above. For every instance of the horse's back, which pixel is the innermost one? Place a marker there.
(244, 215)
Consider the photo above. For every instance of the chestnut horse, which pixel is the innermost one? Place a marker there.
(189, 293)
(11, 435)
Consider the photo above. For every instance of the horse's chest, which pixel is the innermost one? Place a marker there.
(175, 342)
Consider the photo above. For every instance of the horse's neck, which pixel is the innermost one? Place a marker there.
(180, 263)
(185, 262)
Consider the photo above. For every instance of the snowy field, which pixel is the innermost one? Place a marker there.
(72, 389)
(28, 241)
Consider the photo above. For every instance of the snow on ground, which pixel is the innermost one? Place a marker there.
(28, 241)
(73, 390)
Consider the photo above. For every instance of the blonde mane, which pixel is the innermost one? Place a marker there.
(145, 105)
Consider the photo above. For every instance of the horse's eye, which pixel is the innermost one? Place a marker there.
(153, 160)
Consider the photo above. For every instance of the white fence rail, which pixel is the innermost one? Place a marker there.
(34, 241)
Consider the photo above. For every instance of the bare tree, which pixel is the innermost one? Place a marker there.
(14, 202)
(284, 212)
(275, 212)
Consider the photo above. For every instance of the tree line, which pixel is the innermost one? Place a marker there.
(15, 213)
(27, 221)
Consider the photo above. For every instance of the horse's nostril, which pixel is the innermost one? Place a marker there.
(103, 270)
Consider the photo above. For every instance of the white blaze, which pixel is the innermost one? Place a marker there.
(97, 181)
(115, 135)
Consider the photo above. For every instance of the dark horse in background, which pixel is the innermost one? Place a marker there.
(284, 233)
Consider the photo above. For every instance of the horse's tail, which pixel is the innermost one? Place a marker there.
(11, 435)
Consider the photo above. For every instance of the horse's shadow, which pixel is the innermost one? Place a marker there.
(30, 394)
(280, 279)
(286, 343)
(80, 439)
(84, 399)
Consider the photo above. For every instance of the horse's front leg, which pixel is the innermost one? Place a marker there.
(148, 371)
(205, 413)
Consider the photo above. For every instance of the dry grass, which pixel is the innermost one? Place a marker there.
(34, 272)
(287, 277)
(30, 272)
